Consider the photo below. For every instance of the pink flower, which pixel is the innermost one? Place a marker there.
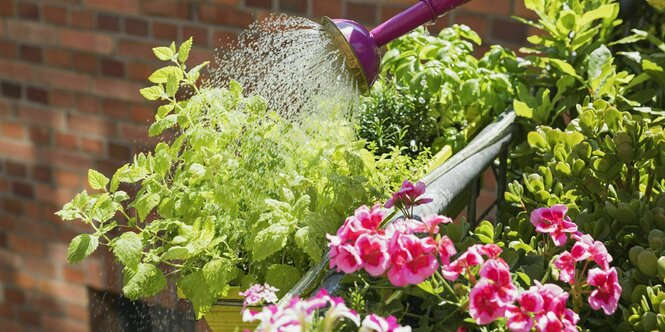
(498, 272)
(346, 259)
(412, 259)
(471, 257)
(554, 298)
(555, 222)
(370, 219)
(430, 224)
(518, 319)
(566, 265)
(257, 294)
(375, 323)
(483, 305)
(607, 292)
(446, 250)
(407, 196)
(587, 248)
(373, 254)
(338, 310)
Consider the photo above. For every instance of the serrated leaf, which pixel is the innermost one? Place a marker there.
(183, 51)
(193, 74)
(128, 249)
(153, 92)
(269, 241)
(81, 247)
(145, 204)
(115, 179)
(306, 240)
(176, 253)
(163, 53)
(158, 127)
(564, 67)
(172, 85)
(161, 75)
(147, 280)
(196, 289)
(97, 180)
(120, 196)
(218, 273)
(282, 277)
(522, 109)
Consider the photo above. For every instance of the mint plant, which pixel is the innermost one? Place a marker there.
(234, 195)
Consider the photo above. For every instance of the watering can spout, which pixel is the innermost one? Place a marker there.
(360, 46)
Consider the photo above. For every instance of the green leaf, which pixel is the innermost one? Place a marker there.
(198, 291)
(306, 240)
(565, 67)
(183, 52)
(145, 204)
(269, 241)
(115, 180)
(219, 272)
(176, 253)
(194, 73)
(146, 281)
(160, 125)
(522, 109)
(152, 93)
(97, 180)
(283, 277)
(163, 53)
(604, 11)
(81, 247)
(161, 75)
(128, 249)
(597, 60)
(172, 85)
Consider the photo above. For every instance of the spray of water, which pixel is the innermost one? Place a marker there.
(293, 63)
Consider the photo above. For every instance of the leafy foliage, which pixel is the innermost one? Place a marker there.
(235, 194)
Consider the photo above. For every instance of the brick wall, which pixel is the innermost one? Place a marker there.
(70, 71)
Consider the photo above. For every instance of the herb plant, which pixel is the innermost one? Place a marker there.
(236, 195)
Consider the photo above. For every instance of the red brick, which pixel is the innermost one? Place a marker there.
(40, 135)
(134, 132)
(95, 275)
(77, 312)
(11, 90)
(222, 37)
(12, 130)
(199, 35)
(136, 49)
(28, 11)
(87, 104)
(38, 265)
(85, 62)
(266, 4)
(390, 11)
(67, 179)
(66, 159)
(57, 57)
(225, 15)
(116, 109)
(6, 8)
(86, 41)
(119, 89)
(61, 98)
(476, 22)
(16, 169)
(112, 68)
(108, 22)
(73, 274)
(40, 116)
(37, 95)
(15, 71)
(296, 6)
(83, 19)
(25, 245)
(29, 317)
(66, 141)
(164, 31)
(142, 114)
(509, 31)
(8, 49)
(91, 125)
(58, 196)
(92, 146)
(55, 15)
(115, 6)
(493, 7)
(23, 189)
(363, 13)
(11, 205)
(135, 26)
(168, 8)
(119, 152)
(65, 292)
(32, 32)
(31, 53)
(41, 173)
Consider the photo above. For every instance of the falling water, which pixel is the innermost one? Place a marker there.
(291, 62)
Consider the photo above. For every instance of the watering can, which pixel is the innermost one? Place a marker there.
(360, 47)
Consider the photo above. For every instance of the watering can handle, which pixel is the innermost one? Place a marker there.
(411, 18)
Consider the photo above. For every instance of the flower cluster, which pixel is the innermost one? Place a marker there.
(259, 294)
(553, 221)
(398, 252)
(408, 196)
(303, 315)
(546, 306)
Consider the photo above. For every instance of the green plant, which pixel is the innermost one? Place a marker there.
(432, 92)
(238, 195)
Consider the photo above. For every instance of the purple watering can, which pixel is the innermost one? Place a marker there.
(360, 47)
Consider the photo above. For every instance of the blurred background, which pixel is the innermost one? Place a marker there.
(70, 71)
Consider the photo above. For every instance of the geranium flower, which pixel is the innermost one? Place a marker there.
(374, 254)
(412, 259)
(587, 248)
(565, 262)
(375, 323)
(471, 257)
(407, 196)
(553, 221)
(446, 250)
(346, 258)
(430, 224)
(370, 219)
(498, 272)
(518, 319)
(338, 310)
(257, 294)
(607, 292)
(483, 305)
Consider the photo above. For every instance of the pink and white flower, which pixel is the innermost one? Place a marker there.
(483, 304)
(374, 254)
(607, 292)
(587, 248)
(259, 294)
(412, 259)
(446, 250)
(375, 323)
(553, 221)
(407, 196)
(565, 262)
